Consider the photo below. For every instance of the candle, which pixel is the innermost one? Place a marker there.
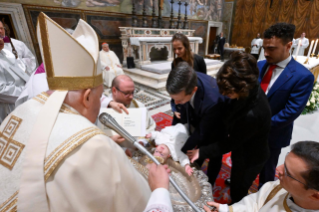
(296, 54)
(310, 48)
(314, 49)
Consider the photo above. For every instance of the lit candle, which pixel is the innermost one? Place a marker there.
(296, 54)
(314, 49)
(310, 48)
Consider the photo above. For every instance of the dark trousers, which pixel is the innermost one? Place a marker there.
(269, 171)
(214, 165)
(256, 56)
(221, 52)
(241, 179)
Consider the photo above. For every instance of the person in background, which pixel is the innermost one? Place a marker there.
(256, 43)
(220, 45)
(297, 189)
(247, 119)
(19, 49)
(110, 64)
(183, 52)
(288, 85)
(304, 44)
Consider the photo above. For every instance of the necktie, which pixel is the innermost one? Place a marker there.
(266, 79)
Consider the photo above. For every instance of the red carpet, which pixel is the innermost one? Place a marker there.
(221, 192)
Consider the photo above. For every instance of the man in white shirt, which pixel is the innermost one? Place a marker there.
(297, 189)
(110, 64)
(256, 43)
(304, 44)
(22, 50)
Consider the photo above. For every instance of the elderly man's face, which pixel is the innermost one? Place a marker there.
(2, 31)
(124, 93)
(94, 103)
(105, 47)
(295, 168)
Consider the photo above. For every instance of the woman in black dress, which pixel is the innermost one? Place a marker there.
(183, 52)
(247, 120)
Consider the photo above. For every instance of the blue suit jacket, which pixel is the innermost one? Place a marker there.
(287, 98)
(206, 118)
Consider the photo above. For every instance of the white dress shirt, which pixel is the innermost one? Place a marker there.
(277, 71)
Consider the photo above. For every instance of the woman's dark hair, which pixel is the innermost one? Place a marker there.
(189, 57)
(238, 75)
(309, 152)
(181, 78)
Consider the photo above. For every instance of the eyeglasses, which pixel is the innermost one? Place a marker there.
(288, 175)
(127, 94)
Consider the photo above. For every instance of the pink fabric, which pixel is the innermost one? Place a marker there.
(40, 69)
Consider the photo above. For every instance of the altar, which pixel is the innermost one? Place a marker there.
(153, 54)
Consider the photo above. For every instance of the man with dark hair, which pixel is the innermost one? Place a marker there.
(287, 85)
(220, 45)
(296, 190)
(197, 98)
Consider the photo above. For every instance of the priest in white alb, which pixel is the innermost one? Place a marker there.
(297, 189)
(20, 48)
(110, 64)
(303, 45)
(12, 80)
(53, 157)
(256, 43)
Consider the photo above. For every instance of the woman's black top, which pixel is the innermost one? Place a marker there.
(248, 124)
(199, 63)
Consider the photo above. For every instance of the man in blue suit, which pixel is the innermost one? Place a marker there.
(288, 85)
(197, 98)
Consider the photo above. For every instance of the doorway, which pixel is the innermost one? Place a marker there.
(211, 42)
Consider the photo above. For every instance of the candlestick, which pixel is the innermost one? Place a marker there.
(179, 22)
(171, 22)
(314, 49)
(185, 26)
(144, 16)
(154, 21)
(160, 4)
(296, 54)
(134, 18)
(309, 52)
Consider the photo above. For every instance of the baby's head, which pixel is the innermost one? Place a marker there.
(162, 151)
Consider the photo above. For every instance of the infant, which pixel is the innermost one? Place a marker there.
(170, 142)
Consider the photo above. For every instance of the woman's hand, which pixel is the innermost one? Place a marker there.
(189, 170)
(177, 114)
(193, 155)
(214, 204)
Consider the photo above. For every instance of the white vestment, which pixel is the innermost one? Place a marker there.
(270, 198)
(109, 59)
(174, 137)
(304, 45)
(262, 53)
(255, 49)
(24, 54)
(12, 81)
(150, 123)
(84, 169)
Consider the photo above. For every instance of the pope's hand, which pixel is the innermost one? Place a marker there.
(158, 176)
(118, 107)
(193, 155)
(128, 152)
(214, 204)
(117, 138)
(119, 66)
(189, 170)
(148, 135)
(107, 68)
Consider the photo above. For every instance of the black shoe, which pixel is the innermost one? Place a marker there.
(227, 182)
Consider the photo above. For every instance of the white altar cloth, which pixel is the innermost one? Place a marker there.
(136, 41)
(313, 62)
(233, 49)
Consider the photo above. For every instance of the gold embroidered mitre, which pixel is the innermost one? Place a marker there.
(71, 61)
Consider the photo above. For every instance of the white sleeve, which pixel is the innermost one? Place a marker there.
(306, 43)
(9, 91)
(105, 101)
(28, 59)
(255, 201)
(116, 59)
(151, 125)
(159, 201)
(223, 208)
(182, 157)
(154, 135)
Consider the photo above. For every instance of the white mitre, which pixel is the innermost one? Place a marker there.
(71, 63)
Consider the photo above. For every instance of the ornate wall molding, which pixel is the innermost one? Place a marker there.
(19, 22)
